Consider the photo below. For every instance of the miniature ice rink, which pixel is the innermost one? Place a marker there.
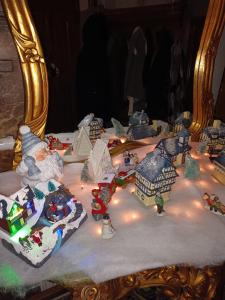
(187, 233)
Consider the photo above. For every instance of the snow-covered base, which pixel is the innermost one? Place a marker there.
(74, 158)
(213, 211)
(37, 255)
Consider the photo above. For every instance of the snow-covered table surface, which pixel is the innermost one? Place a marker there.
(187, 233)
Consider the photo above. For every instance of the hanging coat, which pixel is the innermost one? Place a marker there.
(137, 50)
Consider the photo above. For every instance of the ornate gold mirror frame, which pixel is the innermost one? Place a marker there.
(203, 107)
(32, 65)
(35, 73)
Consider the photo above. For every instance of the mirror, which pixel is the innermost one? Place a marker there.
(35, 74)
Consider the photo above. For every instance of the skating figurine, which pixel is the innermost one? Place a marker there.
(38, 163)
(107, 229)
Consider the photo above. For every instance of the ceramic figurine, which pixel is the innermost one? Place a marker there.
(159, 201)
(213, 203)
(38, 163)
(107, 229)
(192, 169)
(155, 173)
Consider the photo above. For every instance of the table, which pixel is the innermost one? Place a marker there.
(187, 234)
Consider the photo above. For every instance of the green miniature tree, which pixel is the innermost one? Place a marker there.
(38, 194)
(51, 187)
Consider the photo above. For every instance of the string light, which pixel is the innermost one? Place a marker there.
(115, 201)
(197, 204)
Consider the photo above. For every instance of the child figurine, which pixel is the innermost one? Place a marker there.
(107, 229)
(159, 201)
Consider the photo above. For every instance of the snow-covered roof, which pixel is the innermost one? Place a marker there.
(172, 146)
(152, 165)
(219, 131)
(139, 117)
(86, 120)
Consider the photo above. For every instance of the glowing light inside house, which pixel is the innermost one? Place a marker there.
(21, 234)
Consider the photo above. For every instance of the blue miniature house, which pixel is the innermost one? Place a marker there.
(155, 173)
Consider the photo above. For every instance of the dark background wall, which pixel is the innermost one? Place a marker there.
(60, 30)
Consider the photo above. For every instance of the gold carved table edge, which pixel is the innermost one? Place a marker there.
(177, 282)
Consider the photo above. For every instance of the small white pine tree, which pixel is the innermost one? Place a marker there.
(85, 173)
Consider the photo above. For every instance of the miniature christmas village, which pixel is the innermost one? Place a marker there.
(42, 215)
(37, 220)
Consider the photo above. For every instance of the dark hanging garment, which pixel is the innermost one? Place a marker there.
(158, 82)
(92, 69)
(117, 56)
(177, 84)
(137, 50)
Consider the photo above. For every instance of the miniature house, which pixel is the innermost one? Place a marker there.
(214, 136)
(95, 130)
(94, 127)
(155, 173)
(139, 127)
(139, 118)
(16, 213)
(183, 121)
(175, 148)
(183, 147)
(219, 171)
(99, 162)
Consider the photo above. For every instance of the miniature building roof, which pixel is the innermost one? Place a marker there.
(209, 131)
(172, 147)
(86, 120)
(23, 195)
(184, 119)
(169, 145)
(152, 165)
(139, 117)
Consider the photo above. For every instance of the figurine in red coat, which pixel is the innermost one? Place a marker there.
(99, 209)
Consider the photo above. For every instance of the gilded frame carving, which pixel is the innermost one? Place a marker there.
(32, 65)
(203, 107)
